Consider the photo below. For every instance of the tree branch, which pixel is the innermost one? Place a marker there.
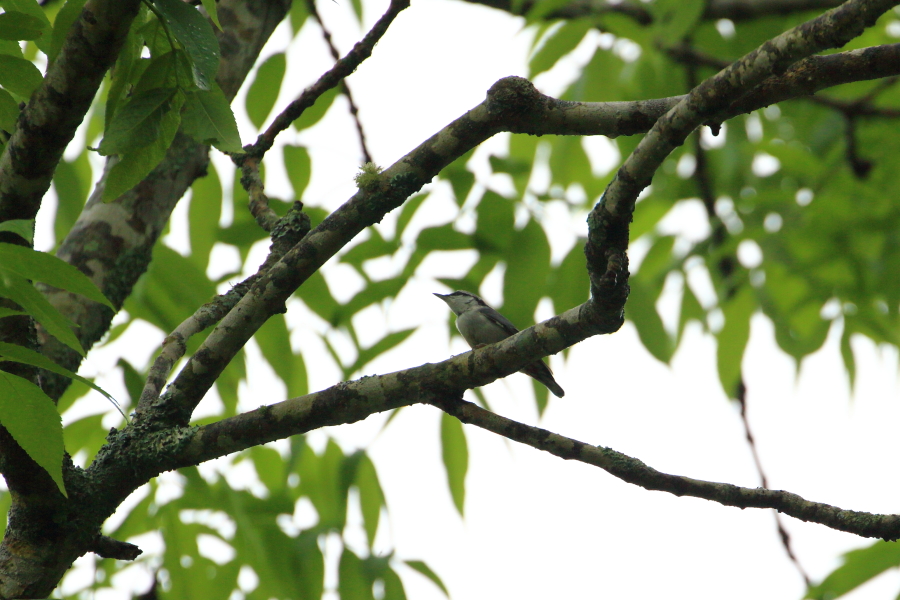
(334, 76)
(345, 89)
(512, 104)
(112, 242)
(735, 10)
(632, 470)
(57, 108)
(609, 220)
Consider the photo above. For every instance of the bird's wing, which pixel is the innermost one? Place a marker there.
(501, 321)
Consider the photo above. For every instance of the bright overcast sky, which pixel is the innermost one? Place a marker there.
(537, 527)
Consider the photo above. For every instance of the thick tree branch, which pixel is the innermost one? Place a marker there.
(286, 233)
(634, 471)
(112, 242)
(57, 108)
(140, 452)
(512, 105)
(735, 10)
(609, 220)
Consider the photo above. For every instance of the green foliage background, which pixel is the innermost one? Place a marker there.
(827, 231)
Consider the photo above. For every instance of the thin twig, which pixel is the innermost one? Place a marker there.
(345, 87)
(286, 232)
(782, 530)
(726, 268)
(635, 471)
(333, 77)
(259, 202)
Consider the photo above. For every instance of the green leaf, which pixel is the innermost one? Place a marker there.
(15, 25)
(298, 15)
(641, 310)
(63, 22)
(9, 111)
(496, 223)
(263, 91)
(72, 183)
(165, 71)
(320, 481)
(314, 113)
(26, 356)
(527, 274)
(269, 466)
(133, 380)
(128, 69)
(407, 212)
(455, 453)
(656, 262)
(393, 586)
(674, 19)
(648, 213)
(353, 584)
(315, 294)
(212, 11)
(19, 76)
(442, 238)
(138, 123)
(208, 119)
(49, 269)
(460, 177)
(690, 310)
(732, 339)
(133, 167)
(557, 44)
(203, 216)
(274, 341)
(31, 418)
(371, 497)
(847, 355)
(357, 10)
(569, 163)
(425, 570)
(22, 292)
(374, 292)
(196, 36)
(86, 434)
(152, 299)
(32, 8)
(382, 346)
(24, 228)
(542, 8)
(859, 567)
(568, 284)
(298, 167)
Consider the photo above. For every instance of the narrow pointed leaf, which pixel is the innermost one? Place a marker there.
(208, 119)
(196, 36)
(22, 292)
(30, 357)
(425, 570)
(49, 269)
(455, 453)
(31, 418)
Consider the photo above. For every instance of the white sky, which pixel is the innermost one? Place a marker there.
(538, 527)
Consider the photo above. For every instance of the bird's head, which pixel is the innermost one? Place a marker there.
(459, 301)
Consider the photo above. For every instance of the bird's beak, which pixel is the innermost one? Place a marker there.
(441, 296)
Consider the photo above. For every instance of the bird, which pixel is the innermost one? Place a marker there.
(481, 325)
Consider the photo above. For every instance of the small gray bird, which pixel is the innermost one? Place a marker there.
(481, 325)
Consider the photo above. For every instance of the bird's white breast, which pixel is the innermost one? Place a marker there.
(477, 329)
